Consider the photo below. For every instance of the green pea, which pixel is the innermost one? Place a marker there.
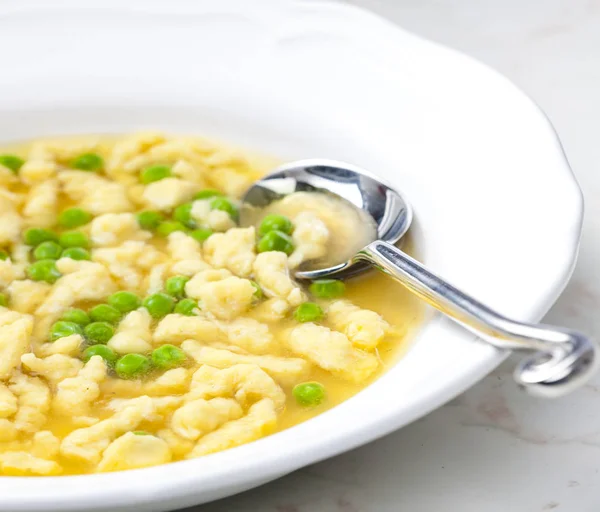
(168, 356)
(3, 255)
(155, 173)
(201, 234)
(183, 214)
(3, 300)
(76, 316)
(43, 270)
(327, 288)
(88, 162)
(62, 329)
(12, 162)
(276, 241)
(258, 293)
(168, 227)
(132, 365)
(224, 204)
(159, 304)
(99, 332)
(73, 218)
(106, 353)
(47, 251)
(35, 236)
(186, 307)
(309, 393)
(274, 222)
(175, 286)
(105, 313)
(308, 312)
(74, 239)
(124, 301)
(76, 253)
(150, 220)
(207, 194)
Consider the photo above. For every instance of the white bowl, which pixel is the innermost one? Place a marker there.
(498, 211)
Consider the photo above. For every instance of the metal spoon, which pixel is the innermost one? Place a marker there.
(562, 359)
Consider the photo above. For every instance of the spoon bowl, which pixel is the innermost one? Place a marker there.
(389, 210)
(563, 359)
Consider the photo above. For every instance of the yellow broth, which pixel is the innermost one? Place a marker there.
(371, 291)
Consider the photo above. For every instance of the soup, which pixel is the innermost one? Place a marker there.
(140, 324)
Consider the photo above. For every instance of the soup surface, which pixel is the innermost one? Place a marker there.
(139, 324)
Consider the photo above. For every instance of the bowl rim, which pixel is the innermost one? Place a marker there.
(241, 464)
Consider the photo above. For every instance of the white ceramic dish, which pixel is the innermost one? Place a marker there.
(498, 211)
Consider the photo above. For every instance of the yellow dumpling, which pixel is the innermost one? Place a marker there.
(131, 451)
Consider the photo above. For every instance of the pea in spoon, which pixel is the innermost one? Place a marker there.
(562, 359)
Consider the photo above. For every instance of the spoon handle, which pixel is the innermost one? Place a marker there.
(562, 360)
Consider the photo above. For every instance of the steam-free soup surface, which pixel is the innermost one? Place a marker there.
(139, 324)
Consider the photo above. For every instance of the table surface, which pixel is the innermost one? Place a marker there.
(492, 449)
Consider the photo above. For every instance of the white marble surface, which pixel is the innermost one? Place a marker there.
(492, 449)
